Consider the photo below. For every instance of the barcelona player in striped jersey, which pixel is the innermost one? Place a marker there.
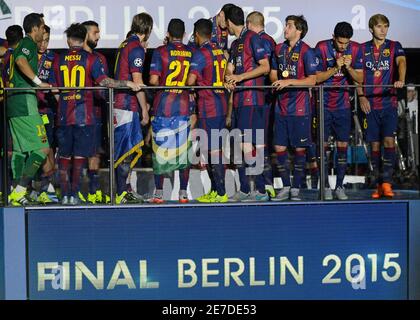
(76, 113)
(219, 32)
(128, 135)
(100, 99)
(255, 22)
(293, 64)
(208, 68)
(340, 65)
(171, 110)
(384, 63)
(248, 63)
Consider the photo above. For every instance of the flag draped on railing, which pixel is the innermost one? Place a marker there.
(171, 143)
(128, 137)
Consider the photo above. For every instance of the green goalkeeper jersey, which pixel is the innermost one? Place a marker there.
(23, 103)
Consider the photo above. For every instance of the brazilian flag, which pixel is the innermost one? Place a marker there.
(171, 143)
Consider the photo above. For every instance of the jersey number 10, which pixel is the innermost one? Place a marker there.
(75, 78)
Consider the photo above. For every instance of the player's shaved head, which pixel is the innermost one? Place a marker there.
(256, 18)
(203, 27)
(176, 28)
(76, 32)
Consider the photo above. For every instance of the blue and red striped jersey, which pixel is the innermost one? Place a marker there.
(209, 65)
(130, 59)
(300, 62)
(46, 100)
(219, 36)
(5, 71)
(171, 63)
(269, 46)
(380, 67)
(245, 53)
(76, 68)
(337, 99)
(101, 96)
(3, 43)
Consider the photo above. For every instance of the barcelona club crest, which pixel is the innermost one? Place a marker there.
(295, 57)
(386, 52)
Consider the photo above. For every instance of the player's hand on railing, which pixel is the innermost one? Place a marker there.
(44, 85)
(399, 84)
(280, 84)
(364, 104)
(134, 86)
(144, 117)
(234, 78)
(230, 87)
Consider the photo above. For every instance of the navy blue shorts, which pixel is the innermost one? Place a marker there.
(98, 137)
(338, 124)
(49, 128)
(380, 124)
(254, 118)
(76, 141)
(293, 131)
(311, 153)
(215, 123)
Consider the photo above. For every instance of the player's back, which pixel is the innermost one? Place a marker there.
(76, 67)
(171, 63)
(129, 60)
(212, 62)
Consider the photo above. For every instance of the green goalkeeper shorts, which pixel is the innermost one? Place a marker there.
(28, 133)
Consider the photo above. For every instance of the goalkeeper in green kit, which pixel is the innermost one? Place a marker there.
(30, 143)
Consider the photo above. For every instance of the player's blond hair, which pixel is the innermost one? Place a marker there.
(376, 19)
(256, 18)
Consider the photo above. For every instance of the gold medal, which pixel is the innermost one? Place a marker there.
(377, 73)
(285, 73)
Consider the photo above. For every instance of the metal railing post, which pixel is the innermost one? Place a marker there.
(321, 144)
(5, 163)
(111, 145)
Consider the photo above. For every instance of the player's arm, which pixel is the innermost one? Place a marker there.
(229, 110)
(154, 80)
(141, 97)
(273, 76)
(192, 79)
(355, 74)
(113, 83)
(307, 81)
(402, 71)
(230, 69)
(322, 76)
(26, 69)
(262, 69)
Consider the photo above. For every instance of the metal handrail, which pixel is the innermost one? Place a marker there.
(111, 93)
